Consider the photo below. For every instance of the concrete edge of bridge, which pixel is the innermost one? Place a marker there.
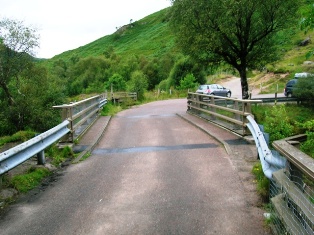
(93, 136)
(203, 125)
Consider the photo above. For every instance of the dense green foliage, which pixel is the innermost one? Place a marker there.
(308, 145)
(239, 33)
(282, 121)
(144, 49)
(304, 88)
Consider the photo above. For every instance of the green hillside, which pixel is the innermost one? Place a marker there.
(150, 37)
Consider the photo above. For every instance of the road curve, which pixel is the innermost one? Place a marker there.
(152, 173)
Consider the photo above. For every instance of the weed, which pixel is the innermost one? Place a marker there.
(262, 182)
(87, 155)
(58, 155)
(20, 136)
(30, 180)
(111, 109)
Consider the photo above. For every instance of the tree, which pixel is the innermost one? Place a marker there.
(138, 83)
(238, 32)
(188, 82)
(183, 67)
(17, 43)
(116, 82)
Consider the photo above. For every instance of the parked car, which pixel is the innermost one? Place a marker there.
(214, 89)
(288, 91)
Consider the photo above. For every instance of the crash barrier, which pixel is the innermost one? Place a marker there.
(291, 175)
(290, 171)
(77, 117)
(230, 113)
(19, 154)
(81, 115)
(271, 160)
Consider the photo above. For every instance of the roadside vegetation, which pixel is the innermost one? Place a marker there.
(142, 57)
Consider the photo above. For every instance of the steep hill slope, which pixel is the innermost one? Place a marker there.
(150, 37)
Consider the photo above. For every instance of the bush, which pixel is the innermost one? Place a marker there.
(138, 84)
(277, 123)
(304, 88)
(307, 146)
(188, 82)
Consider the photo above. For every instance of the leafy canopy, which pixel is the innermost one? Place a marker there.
(238, 32)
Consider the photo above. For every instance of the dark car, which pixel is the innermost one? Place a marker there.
(214, 89)
(288, 91)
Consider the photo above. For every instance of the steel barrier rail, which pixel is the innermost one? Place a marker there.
(270, 160)
(81, 115)
(19, 154)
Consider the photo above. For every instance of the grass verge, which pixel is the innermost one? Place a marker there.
(24, 183)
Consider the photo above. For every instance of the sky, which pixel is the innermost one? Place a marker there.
(68, 24)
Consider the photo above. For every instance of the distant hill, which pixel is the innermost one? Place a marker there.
(150, 37)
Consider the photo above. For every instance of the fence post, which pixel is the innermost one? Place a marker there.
(41, 158)
(212, 101)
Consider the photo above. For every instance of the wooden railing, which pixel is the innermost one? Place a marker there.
(118, 97)
(228, 112)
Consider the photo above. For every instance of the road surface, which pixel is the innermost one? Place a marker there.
(152, 173)
(234, 84)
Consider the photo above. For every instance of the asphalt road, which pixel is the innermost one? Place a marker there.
(234, 85)
(152, 173)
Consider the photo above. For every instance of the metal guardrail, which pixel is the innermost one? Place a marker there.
(19, 154)
(75, 116)
(290, 171)
(81, 115)
(271, 161)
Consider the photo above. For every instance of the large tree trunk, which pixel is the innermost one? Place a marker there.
(244, 83)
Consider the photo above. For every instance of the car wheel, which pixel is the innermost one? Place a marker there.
(289, 95)
(229, 94)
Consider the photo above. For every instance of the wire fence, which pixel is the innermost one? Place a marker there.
(292, 190)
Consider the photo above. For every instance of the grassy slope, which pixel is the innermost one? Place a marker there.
(149, 36)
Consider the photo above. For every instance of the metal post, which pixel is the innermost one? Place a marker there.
(212, 101)
(275, 98)
(41, 158)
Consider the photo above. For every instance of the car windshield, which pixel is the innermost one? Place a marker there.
(202, 87)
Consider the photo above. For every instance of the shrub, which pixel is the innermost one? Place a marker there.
(262, 181)
(138, 84)
(188, 82)
(307, 146)
(304, 88)
(277, 123)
